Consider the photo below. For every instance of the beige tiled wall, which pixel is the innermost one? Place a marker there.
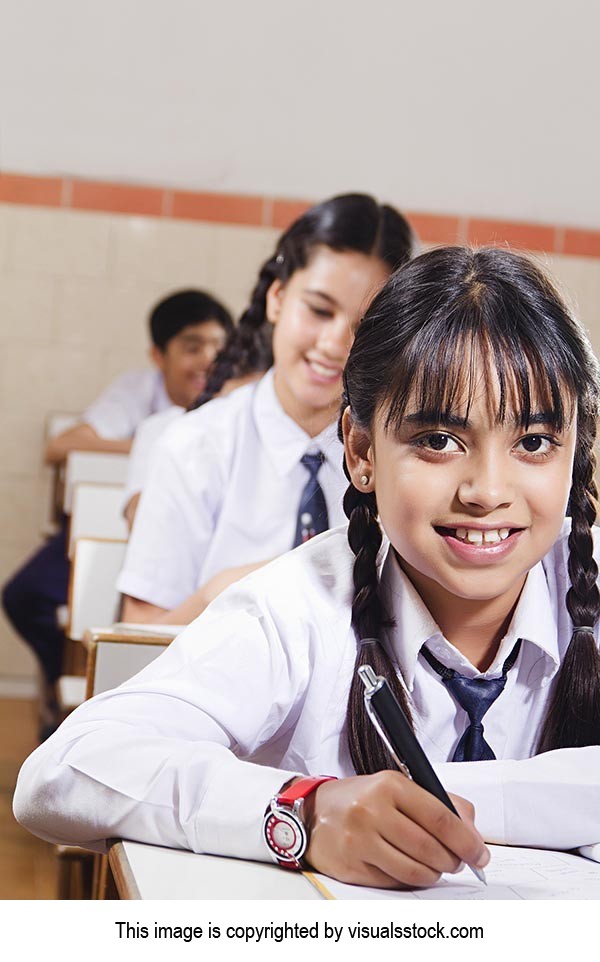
(75, 289)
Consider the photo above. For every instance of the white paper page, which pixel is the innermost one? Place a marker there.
(513, 873)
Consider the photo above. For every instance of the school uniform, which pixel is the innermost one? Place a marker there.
(223, 490)
(189, 752)
(140, 456)
(33, 594)
(117, 413)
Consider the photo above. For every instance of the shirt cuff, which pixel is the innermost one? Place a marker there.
(481, 783)
(231, 814)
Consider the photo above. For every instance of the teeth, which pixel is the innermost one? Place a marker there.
(491, 537)
(322, 370)
(476, 536)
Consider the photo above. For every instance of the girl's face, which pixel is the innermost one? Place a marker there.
(315, 315)
(469, 509)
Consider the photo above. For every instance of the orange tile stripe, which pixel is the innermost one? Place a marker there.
(278, 212)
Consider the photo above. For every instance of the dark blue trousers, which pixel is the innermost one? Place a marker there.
(31, 597)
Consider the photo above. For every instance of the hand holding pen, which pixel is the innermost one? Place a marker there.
(384, 830)
(394, 729)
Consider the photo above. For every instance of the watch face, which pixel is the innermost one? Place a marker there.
(286, 837)
(283, 835)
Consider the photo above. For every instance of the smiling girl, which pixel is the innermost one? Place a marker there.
(244, 478)
(471, 398)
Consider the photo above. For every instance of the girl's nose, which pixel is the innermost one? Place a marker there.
(488, 485)
(336, 339)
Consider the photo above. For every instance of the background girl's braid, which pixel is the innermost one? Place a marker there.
(573, 717)
(248, 347)
(368, 619)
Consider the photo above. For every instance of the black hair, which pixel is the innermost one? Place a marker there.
(349, 222)
(179, 310)
(419, 340)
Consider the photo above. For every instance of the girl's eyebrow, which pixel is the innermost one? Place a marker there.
(434, 419)
(317, 293)
(429, 419)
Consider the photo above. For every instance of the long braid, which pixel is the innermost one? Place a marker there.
(573, 717)
(248, 348)
(368, 619)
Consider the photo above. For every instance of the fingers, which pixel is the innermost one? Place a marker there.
(420, 845)
(459, 837)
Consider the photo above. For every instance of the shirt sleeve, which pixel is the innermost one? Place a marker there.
(144, 442)
(161, 759)
(116, 413)
(175, 520)
(548, 801)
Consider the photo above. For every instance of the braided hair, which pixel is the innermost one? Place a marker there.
(349, 222)
(436, 311)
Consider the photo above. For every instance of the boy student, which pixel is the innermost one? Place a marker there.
(188, 329)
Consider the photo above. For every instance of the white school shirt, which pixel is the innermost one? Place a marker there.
(223, 490)
(171, 757)
(124, 404)
(140, 456)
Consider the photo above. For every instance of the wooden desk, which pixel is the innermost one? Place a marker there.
(151, 872)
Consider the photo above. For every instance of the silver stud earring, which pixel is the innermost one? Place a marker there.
(364, 479)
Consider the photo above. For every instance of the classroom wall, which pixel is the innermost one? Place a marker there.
(75, 289)
(443, 105)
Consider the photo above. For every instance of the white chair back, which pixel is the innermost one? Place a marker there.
(113, 662)
(93, 595)
(97, 512)
(94, 466)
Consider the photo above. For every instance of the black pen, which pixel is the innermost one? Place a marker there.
(392, 726)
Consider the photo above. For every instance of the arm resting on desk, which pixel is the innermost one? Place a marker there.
(82, 437)
(548, 801)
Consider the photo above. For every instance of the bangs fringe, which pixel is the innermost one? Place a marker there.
(440, 372)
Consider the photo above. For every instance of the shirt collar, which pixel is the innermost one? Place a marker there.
(534, 621)
(283, 440)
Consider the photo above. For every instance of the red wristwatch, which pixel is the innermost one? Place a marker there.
(283, 828)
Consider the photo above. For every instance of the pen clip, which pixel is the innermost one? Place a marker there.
(373, 683)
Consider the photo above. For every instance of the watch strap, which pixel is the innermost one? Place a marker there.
(302, 788)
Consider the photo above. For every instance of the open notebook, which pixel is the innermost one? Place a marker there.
(513, 873)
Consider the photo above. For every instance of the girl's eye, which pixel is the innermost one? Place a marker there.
(322, 312)
(539, 444)
(438, 442)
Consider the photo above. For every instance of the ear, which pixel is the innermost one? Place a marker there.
(359, 454)
(157, 356)
(273, 301)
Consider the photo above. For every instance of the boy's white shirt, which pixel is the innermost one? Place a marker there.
(189, 752)
(123, 405)
(223, 490)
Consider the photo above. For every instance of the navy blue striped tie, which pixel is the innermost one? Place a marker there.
(475, 696)
(312, 510)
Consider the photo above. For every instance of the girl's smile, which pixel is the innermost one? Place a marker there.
(481, 545)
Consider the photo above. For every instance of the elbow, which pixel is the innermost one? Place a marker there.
(41, 804)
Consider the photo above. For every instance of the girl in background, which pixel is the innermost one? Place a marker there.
(470, 409)
(247, 477)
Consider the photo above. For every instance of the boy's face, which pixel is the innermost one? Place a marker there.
(187, 358)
